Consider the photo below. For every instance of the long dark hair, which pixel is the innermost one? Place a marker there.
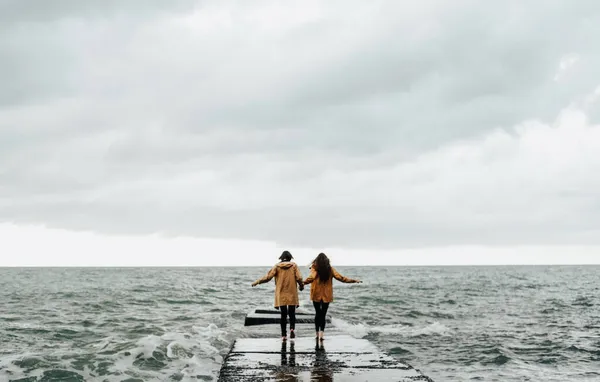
(322, 266)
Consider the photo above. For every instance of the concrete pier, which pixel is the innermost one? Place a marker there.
(338, 358)
(262, 356)
(272, 316)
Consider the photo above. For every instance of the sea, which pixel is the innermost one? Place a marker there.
(505, 323)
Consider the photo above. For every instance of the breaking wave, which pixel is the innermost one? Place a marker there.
(498, 323)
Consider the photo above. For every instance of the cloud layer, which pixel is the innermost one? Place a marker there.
(350, 124)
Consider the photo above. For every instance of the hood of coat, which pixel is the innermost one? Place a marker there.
(285, 264)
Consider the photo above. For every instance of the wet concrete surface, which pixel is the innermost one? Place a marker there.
(275, 311)
(273, 316)
(338, 358)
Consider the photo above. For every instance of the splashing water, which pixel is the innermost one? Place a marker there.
(492, 323)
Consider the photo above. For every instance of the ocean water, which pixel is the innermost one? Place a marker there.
(163, 324)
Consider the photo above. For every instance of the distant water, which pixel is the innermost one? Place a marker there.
(455, 324)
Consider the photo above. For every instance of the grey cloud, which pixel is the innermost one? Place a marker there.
(108, 109)
(37, 47)
(40, 11)
(381, 228)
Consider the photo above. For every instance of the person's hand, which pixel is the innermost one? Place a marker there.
(254, 284)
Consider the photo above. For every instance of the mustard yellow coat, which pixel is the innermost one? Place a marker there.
(322, 291)
(287, 278)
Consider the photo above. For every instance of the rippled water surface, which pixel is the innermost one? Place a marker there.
(455, 324)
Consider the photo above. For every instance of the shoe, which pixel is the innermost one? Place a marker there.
(292, 333)
(283, 338)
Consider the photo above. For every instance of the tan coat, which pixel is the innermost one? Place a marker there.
(287, 275)
(322, 291)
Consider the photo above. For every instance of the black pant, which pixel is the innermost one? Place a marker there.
(285, 311)
(321, 314)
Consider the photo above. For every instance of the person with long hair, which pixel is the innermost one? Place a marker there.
(321, 291)
(287, 275)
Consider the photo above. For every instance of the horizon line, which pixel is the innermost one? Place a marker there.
(270, 265)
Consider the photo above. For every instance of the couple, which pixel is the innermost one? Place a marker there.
(287, 275)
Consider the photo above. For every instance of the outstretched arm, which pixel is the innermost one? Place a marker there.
(266, 278)
(311, 277)
(343, 279)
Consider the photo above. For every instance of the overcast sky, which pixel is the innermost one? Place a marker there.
(387, 128)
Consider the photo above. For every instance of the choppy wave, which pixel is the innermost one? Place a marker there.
(175, 355)
(361, 330)
(492, 324)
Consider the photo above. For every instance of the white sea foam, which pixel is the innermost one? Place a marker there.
(189, 354)
(114, 322)
(10, 371)
(432, 329)
(361, 330)
(146, 346)
(357, 330)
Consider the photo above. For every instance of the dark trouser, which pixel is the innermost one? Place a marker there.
(285, 311)
(321, 314)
